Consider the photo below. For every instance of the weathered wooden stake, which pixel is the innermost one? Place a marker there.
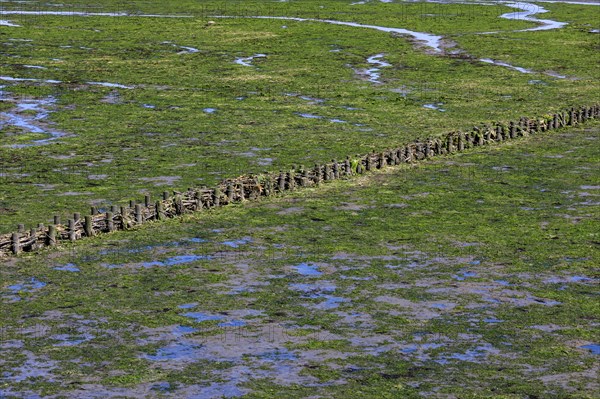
(165, 195)
(15, 244)
(21, 228)
(88, 226)
(72, 235)
(217, 196)
(139, 217)
(110, 224)
(56, 219)
(147, 200)
(178, 202)
(51, 235)
(160, 215)
(327, 173)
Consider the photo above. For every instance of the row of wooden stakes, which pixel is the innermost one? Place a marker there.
(252, 187)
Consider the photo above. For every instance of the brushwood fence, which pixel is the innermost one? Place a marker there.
(252, 187)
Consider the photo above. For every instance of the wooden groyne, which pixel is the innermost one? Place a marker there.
(252, 187)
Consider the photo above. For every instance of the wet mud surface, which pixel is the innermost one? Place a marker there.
(359, 291)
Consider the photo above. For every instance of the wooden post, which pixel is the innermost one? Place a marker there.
(110, 224)
(400, 155)
(499, 133)
(304, 178)
(76, 217)
(281, 182)
(427, 148)
(56, 219)
(268, 185)
(368, 162)
(21, 228)
(15, 244)
(317, 174)
(33, 234)
(114, 209)
(72, 235)
(327, 174)
(147, 200)
(88, 226)
(178, 205)
(336, 169)
(198, 198)
(94, 211)
(461, 142)
(382, 162)
(51, 235)
(409, 153)
(160, 215)
(165, 195)
(242, 192)
(449, 144)
(229, 192)
(291, 180)
(139, 217)
(217, 196)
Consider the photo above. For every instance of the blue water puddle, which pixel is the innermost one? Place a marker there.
(175, 351)
(594, 348)
(188, 305)
(309, 116)
(502, 282)
(471, 355)
(463, 275)
(162, 386)
(172, 261)
(239, 290)
(31, 285)
(436, 106)
(356, 278)
(177, 260)
(210, 110)
(313, 287)
(233, 323)
(277, 355)
(69, 267)
(439, 306)
(491, 320)
(331, 302)
(149, 106)
(237, 243)
(568, 279)
(71, 340)
(576, 279)
(219, 390)
(200, 317)
(182, 330)
(335, 120)
(307, 270)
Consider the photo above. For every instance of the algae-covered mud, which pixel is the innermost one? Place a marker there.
(467, 276)
(473, 275)
(140, 97)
